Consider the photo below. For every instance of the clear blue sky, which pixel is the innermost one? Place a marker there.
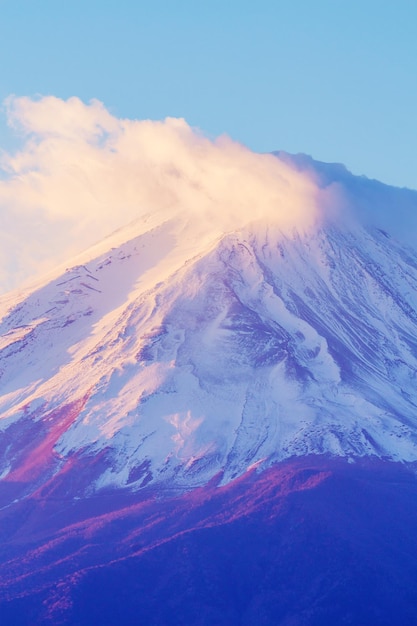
(336, 79)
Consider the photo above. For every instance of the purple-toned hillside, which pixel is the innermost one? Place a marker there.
(310, 541)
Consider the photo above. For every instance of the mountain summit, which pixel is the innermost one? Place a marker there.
(176, 357)
(179, 353)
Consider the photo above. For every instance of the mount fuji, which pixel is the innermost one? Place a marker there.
(209, 425)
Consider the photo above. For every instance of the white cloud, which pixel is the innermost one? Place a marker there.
(82, 173)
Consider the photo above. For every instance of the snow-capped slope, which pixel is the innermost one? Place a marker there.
(174, 351)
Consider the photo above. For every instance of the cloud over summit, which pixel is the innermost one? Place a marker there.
(81, 173)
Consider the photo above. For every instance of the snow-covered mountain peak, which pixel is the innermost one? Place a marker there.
(172, 352)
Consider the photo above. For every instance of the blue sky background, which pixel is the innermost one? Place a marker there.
(334, 79)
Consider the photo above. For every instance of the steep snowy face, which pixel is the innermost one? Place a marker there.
(171, 363)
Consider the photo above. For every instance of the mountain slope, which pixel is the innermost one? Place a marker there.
(176, 365)
(213, 425)
(308, 542)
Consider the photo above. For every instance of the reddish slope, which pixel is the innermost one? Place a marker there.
(310, 541)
